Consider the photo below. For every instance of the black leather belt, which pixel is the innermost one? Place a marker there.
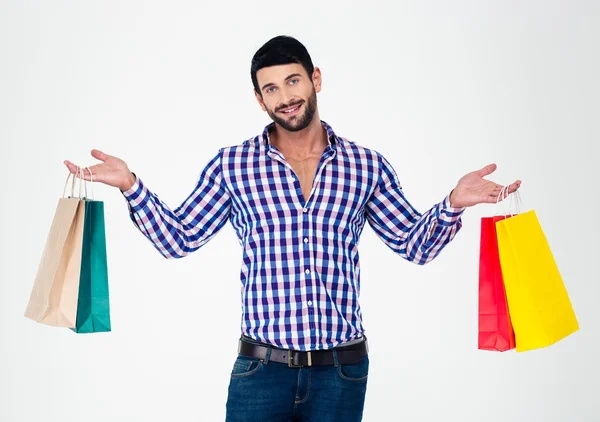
(297, 359)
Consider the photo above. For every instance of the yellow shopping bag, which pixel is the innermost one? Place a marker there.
(539, 305)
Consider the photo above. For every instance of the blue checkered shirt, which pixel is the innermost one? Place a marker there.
(300, 271)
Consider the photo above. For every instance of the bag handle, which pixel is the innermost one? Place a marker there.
(80, 176)
(517, 200)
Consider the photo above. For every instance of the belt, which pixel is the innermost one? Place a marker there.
(297, 358)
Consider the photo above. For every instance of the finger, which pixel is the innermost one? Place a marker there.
(72, 167)
(99, 155)
(78, 171)
(86, 176)
(513, 187)
(82, 174)
(92, 173)
(489, 169)
(495, 189)
(496, 196)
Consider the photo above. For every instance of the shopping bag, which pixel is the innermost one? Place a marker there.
(540, 308)
(53, 298)
(495, 331)
(93, 308)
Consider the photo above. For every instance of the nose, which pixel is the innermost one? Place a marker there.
(286, 96)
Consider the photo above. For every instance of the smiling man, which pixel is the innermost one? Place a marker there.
(298, 195)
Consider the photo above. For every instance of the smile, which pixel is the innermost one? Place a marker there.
(291, 110)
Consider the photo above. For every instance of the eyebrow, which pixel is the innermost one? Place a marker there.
(293, 75)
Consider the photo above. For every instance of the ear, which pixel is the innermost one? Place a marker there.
(317, 79)
(260, 100)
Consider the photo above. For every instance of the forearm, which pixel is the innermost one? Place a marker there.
(432, 231)
(157, 222)
(177, 233)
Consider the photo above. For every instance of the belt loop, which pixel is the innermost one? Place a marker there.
(267, 355)
(335, 357)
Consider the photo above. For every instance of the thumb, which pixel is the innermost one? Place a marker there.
(99, 155)
(489, 169)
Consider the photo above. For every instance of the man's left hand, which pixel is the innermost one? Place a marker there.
(473, 189)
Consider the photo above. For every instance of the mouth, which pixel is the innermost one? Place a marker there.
(290, 111)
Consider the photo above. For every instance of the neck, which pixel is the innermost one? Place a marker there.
(312, 139)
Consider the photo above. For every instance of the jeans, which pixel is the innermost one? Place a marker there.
(273, 392)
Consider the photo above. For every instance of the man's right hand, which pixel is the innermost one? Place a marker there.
(112, 171)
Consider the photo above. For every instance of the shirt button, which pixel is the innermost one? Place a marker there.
(310, 303)
(305, 240)
(307, 271)
(305, 210)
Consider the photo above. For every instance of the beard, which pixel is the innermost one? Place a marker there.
(296, 123)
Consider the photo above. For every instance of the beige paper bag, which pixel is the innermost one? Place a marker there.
(54, 296)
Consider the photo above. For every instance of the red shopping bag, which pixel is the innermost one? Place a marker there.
(495, 328)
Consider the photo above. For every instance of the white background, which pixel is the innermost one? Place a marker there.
(440, 88)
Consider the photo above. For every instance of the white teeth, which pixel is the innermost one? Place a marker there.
(292, 110)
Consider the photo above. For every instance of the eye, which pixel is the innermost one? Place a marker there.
(293, 80)
(270, 89)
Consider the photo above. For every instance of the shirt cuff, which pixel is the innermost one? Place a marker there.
(137, 195)
(447, 215)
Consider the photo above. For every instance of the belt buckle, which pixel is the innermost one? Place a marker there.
(290, 359)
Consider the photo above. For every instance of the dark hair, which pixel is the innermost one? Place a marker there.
(282, 49)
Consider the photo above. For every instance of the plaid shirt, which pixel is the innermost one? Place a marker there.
(300, 271)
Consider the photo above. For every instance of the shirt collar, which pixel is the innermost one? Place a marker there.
(331, 136)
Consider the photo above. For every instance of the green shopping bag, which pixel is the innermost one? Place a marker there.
(93, 307)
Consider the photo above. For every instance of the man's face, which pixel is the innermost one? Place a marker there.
(288, 95)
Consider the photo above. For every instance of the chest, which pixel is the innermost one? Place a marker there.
(305, 169)
(266, 190)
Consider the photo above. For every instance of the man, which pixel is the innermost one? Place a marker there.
(298, 196)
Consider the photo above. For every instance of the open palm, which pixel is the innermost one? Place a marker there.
(473, 189)
(112, 171)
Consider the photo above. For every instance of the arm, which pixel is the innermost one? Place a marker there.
(177, 233)
(416, 237)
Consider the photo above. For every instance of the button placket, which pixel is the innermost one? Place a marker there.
(311, 287)
(308, 272)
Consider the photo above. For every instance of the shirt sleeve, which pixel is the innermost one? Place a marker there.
(417, 237)
(177, 233)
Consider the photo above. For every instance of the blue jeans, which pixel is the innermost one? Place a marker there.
(273, 392)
